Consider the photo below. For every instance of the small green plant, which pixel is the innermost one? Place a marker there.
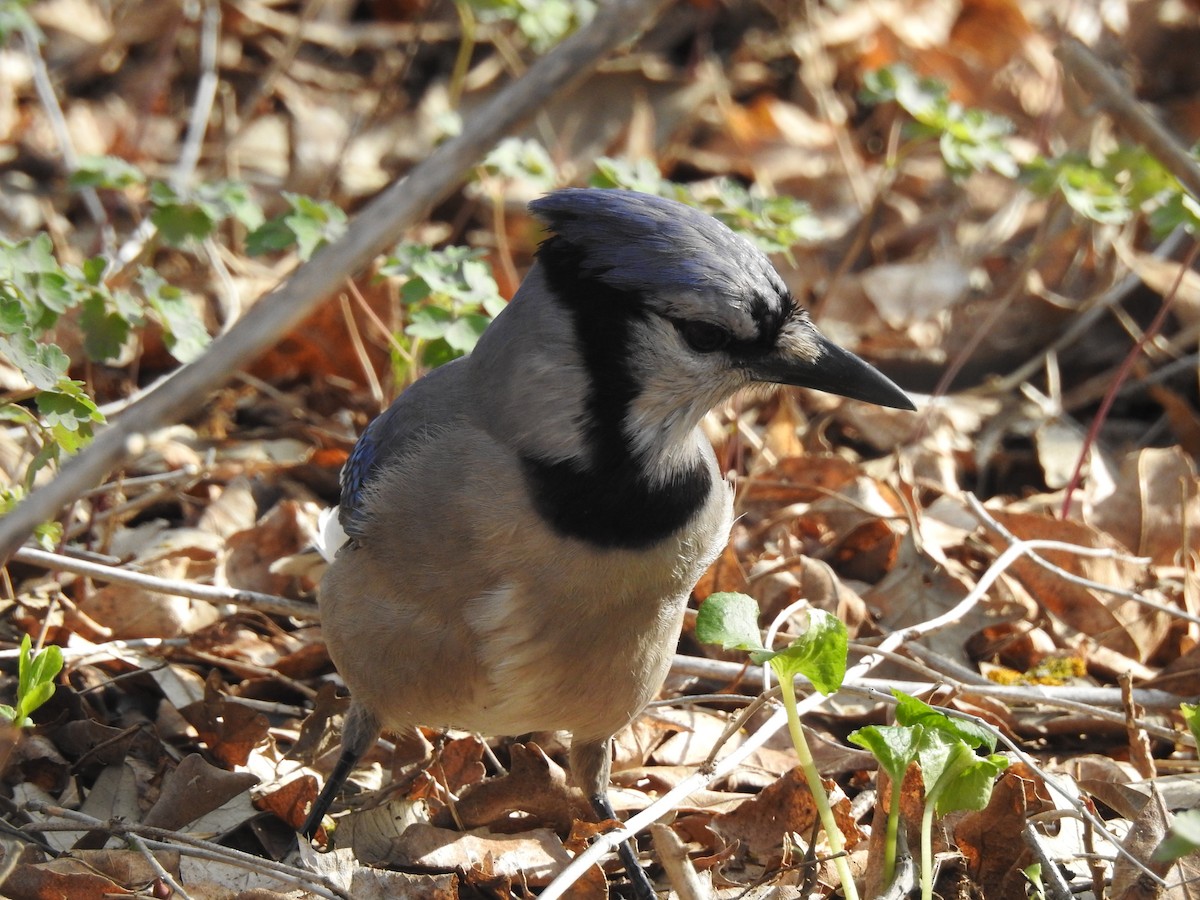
(1182, 839)
(1109, 190)
(524, 160)
(731, 620)
(1121, 184)
(970, 140)
(1034, 888)
(35, 682)
(1191, 717)
(450, 297)
(954, 776)
(180, 217)
(776, 224)
(543, 23)
(307, 225)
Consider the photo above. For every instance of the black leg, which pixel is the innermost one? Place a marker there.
(347, 760)
(358, 736)
(642, 888)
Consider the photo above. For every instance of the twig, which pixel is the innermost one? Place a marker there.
(109, 649)
(209, 593)
(1099, 703)
(206, 92)
(374, 230)
(1121, 376)
(674, 858)
(1084, 322)
(985, 517)
(166, 877)
(162, 839)
(58, 124)
(1130, 115)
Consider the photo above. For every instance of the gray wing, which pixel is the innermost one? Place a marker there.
(410, 421)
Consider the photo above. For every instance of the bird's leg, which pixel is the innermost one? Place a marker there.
(591, 765)
(358, 736)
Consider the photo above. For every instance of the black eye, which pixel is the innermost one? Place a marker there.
(704, 337)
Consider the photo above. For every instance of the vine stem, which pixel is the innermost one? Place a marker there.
(833, 834)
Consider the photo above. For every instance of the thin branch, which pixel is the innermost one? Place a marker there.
(206, 92)
(58, 124)
(180, 842)
(1130, 115)
(209, 593)
(985, 517)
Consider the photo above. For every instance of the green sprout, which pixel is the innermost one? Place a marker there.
(731, 620)
(955, 777)
(35, 682)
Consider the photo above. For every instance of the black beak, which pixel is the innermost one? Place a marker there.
(835, 371)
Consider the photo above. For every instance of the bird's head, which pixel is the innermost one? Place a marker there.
(673, 312)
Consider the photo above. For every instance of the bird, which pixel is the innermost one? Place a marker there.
(524, 525)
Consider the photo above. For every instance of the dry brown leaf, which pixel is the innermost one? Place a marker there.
(782, 808)
(88, 875)
(230, 729)
(1146, 833)
(697, 735)
(990, 839)
(535, 785)
(921, 587)
(534, 856)
(1119, 624)
(193, 789)
(1154, 508)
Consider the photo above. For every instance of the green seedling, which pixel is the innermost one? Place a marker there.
(955, 777)
(449, 296)
(1182, 839)
(731, 620)
(35, 682)
(1034, 888)
(1191, 716)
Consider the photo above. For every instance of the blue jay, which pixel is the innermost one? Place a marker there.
(525, 525)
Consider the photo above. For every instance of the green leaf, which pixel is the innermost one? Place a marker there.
(895, 746)
(527, 160)
(542, 22)
(48, 535)
(68, 412)
(35, 679)
(110, 172)
(730, 620)
(819, 654)
(968, 781)
(46, 665)
(180, 222)
(183, 330)
(314, 223)
(94, 269)
(429, 323)
(414, 291)
(1191, 717)
(1183, 838)
(465, 331)
(438, 353)
(24, 669)
(42, 364)
(911, 711)
(104, 331)
(273, 236)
